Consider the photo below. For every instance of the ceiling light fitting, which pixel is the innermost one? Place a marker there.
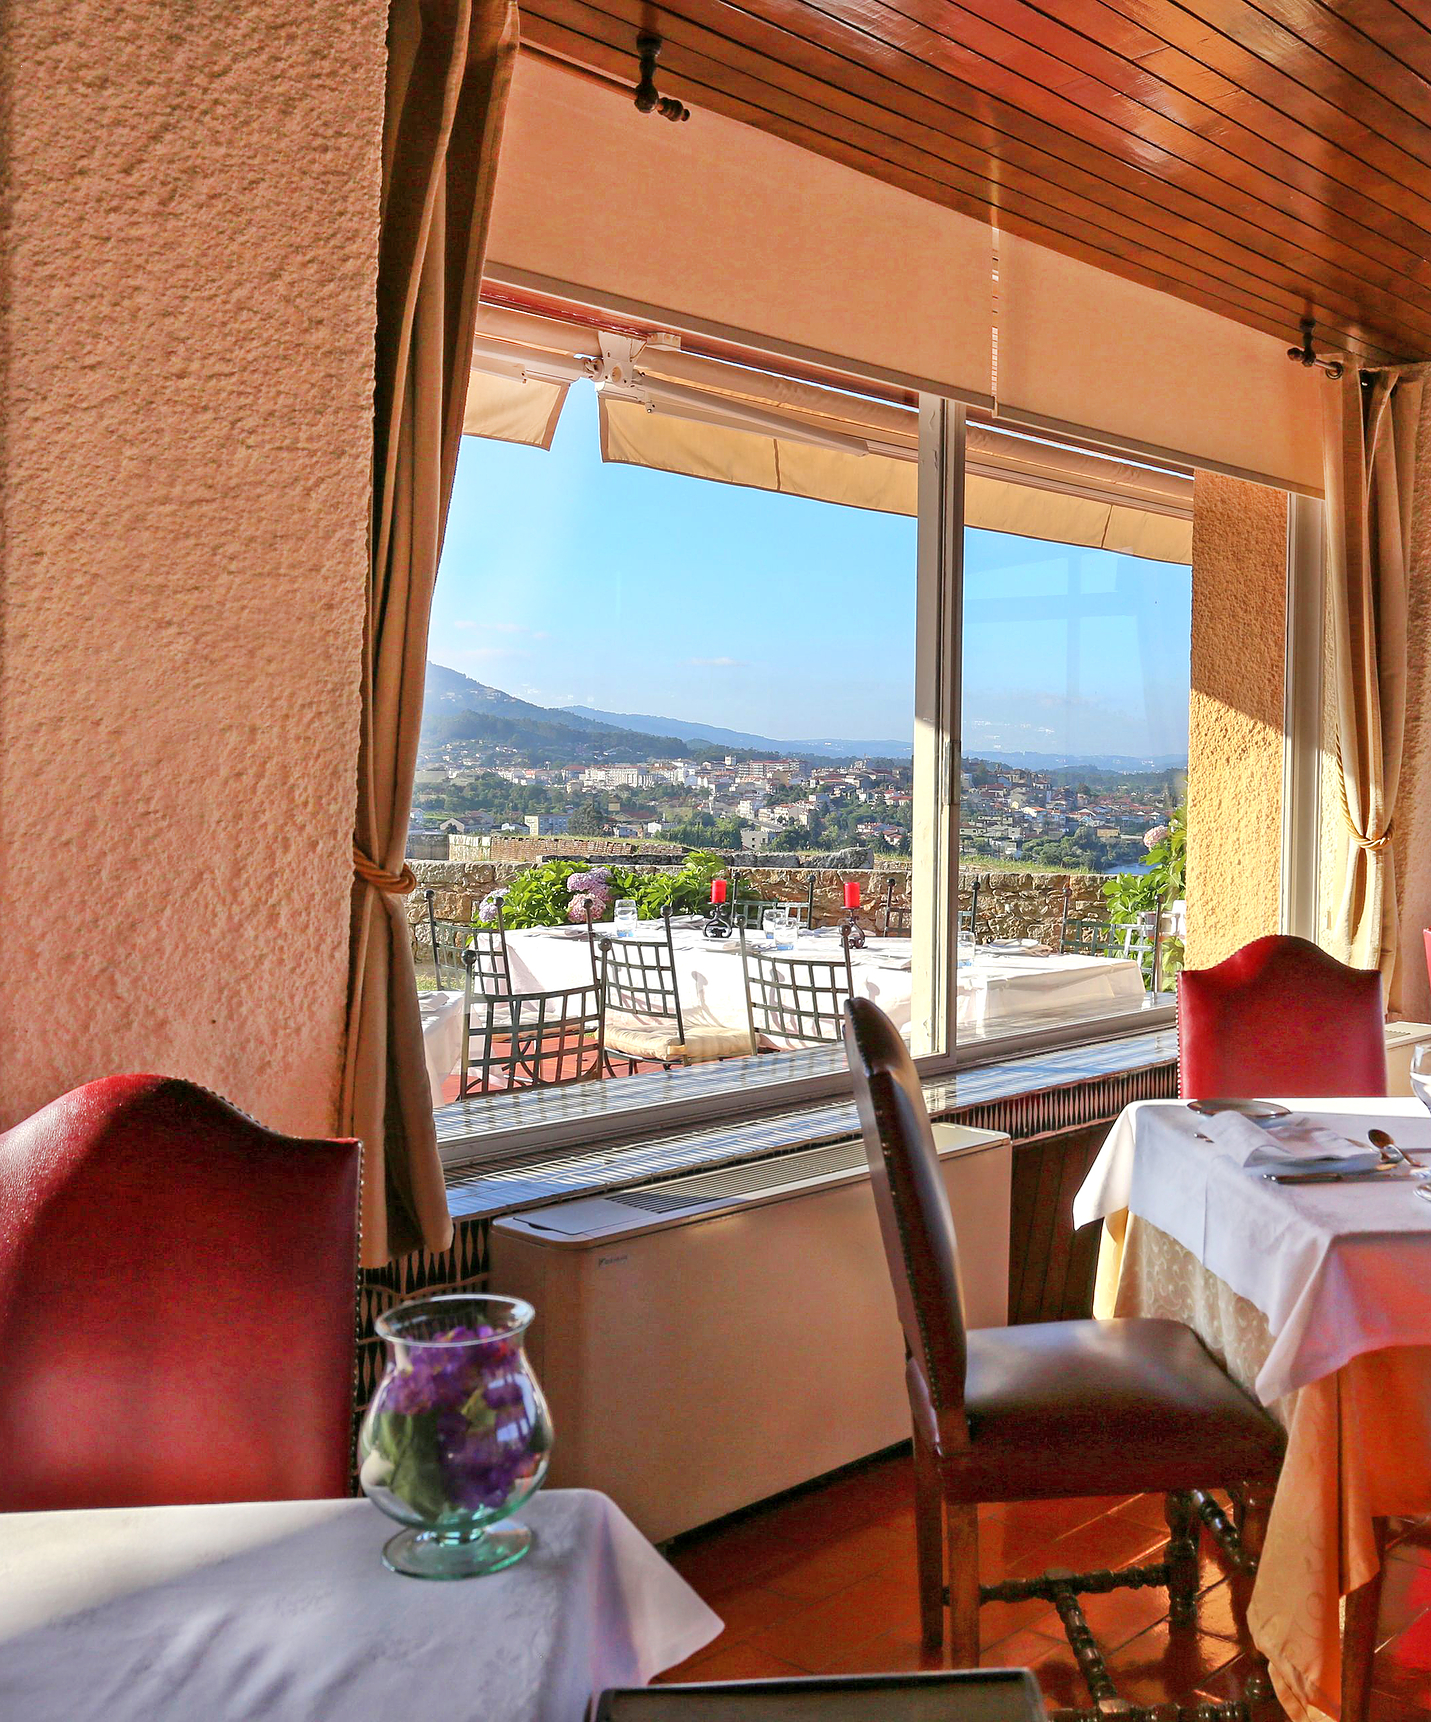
(648, 49)
(1308, 355)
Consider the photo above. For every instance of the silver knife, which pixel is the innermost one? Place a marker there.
(1324, 1177)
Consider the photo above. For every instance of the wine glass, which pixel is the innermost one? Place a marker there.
(625, 916)
(1421, 1074)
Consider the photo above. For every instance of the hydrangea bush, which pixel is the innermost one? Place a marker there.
(559, 892)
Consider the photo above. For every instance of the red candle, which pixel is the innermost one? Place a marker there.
(852, 894)
(717, 890)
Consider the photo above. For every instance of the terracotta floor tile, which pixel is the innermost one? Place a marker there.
(820, 1636)
(1218, 1614)
(824, 1582)
(1165, 1666)
(827, 1568)
(1231, 1683)
(1022, 1650)
(1386, 1709)
(738, 1662)
(1403, 1666)
(747, 1609)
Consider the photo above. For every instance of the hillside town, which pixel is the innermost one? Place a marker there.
(1008, 813)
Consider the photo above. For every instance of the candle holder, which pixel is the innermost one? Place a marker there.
(852, 932)
(718, 922)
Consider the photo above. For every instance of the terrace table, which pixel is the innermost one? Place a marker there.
(1317, 1298)
(998, 984)
(283, 1610)
(441, 1037)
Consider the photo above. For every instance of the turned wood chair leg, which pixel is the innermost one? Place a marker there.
(1183, 1526)
(961, 1521)
(1359, 1637)
(1253, 1502)
(929, 1547)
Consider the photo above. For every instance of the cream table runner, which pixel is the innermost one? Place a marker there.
(1316, 1307)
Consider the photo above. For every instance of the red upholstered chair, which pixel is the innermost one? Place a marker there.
(1280, 1017)
(177, 1303)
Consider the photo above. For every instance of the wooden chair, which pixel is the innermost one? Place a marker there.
(177, 1303)
(645, 1020)
(1046, 1411)
(1280, 1016)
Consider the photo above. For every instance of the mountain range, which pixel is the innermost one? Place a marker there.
(456, 708)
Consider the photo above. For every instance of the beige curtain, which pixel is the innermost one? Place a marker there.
(449, 67)
(1371, 420)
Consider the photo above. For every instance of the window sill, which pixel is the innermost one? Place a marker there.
(481, 1193)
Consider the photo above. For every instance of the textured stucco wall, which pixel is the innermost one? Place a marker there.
(190, 259)
(1239, 622)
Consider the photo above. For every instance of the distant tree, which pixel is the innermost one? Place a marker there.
(587, 819)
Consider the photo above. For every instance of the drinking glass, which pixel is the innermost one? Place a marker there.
(624, 915)
(1421, 1075)
(771, 922)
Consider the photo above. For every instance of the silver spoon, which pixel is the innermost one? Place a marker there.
(1390, 1151)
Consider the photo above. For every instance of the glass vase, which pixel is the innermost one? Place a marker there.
(456, 1436)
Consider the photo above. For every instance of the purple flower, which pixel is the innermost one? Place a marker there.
(598, 900)
(1151, 839)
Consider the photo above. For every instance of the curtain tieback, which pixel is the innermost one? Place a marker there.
(1373, 845)
(393, 884)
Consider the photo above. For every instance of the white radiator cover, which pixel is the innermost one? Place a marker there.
(703, 1358)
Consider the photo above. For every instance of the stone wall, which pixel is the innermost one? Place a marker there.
(1011, 905)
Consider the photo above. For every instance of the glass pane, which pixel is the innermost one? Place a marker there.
(647, 689)
(1073, 783)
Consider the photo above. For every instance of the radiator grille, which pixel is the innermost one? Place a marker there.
(1046, 1111)
(744, 1180)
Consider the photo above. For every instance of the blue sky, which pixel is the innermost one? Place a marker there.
(570, 582)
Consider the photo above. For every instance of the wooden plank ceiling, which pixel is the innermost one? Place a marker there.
(1268, 159)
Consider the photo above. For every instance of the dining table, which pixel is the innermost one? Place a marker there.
(283, 1610)
(1000, 984)
(1316, 1297)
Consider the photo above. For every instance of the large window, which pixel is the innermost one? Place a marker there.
(698, 644)
(1073, 783)
(649, 690)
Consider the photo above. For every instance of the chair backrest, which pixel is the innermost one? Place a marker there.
(638, 976)
(799, 999)
(532, 1040)
(913, 1206)
(483, 957)
(177, 1303)
(1080, 937)
(1280, 1016)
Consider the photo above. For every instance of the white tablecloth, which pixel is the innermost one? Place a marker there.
(995, 987)
(283, 1610)
(1337, 1269)
(998, 989)
(708, 972)
(441, 1037)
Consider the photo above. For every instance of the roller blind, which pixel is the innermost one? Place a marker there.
(725, 224)
(1080, 348)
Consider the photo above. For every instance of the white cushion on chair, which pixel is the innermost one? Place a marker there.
(658, 1040)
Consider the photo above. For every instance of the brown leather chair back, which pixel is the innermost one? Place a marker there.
(913, 1205)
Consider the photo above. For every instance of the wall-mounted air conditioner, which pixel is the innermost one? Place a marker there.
(711, 1340)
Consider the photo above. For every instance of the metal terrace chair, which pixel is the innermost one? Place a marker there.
(796, 1000)
(895, 920)
(968, 918)
(532, 1040)
(1087, 936)
(452, 941)
(750, 913)
(645, 1021)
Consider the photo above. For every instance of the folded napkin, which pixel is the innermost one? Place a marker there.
(1296, 1143)
(1019, 947)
